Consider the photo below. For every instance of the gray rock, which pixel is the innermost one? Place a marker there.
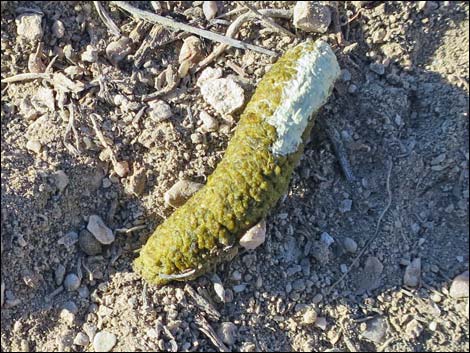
(81, 339)
(326, 238)
(350, 245)
(88, 243)
(228, 333)
(61, 180)
(71, 282)
(70, 306)
(104, 341)
(68, 239)
(180, 192)
(459, 286)
(116, 51)
(210, 9)
(376, 330)
(101, 232)
(369, 277)
(58, 29)
(413, 273)
(345, 206)
(378, 68)
(312, 16)
(59, 274)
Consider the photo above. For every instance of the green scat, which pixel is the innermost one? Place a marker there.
(246, 184)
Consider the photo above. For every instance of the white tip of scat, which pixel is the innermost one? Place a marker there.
(317, 71)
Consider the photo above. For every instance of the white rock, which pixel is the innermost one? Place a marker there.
(223, 94)
(58, 29)
(101, 232)
(228, 333)
(209, 123)
(210, 9)
(459, 286)
(104, 341)
(29, 26)
(413, 273)
(81, 339)
(90, 54)
(208, 74)
(159, 111)
(34, 145)
(310, 316)
(312, 16)
(180, 192)
(116, 51)
(254, 237)
(321, 323)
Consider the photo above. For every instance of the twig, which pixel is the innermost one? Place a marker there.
(183, 275)
(373, 237)
(27, 77)
(150, 17)
(206, 329)
(130, 230)
(202, 303)
(107, 20)
(269, 22)
(233, 29)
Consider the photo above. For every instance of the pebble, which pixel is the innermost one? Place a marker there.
(321, 323)
(121, 168)
(310, 316)
(71, 282)
(29, 27)
(210, 9)
(116, 51)
(350, 245)
(379, 36)
(59, 274)
(228, 333)
(159, 111)
(343, 268)
(413, 273)
(223, 94)
(345, 75)
(58, 29)
(208, 122)
(236, 275)
(71, 307)
(352, 88)
(378, 68)
(459, 287)
(376, 329)
(180, 192)
(311, 16)
(104, 341)
(89, 329)
(345, 206)
(88, 243)
(326, 239)
(68, 239)
(34, 145)
(369, 278)
(239, 288)
(254, 237)
(207, 75)
(90, 54)
(320, 252)
(413, 329)
(101, 232)
(81, 339)
(61, 180)
(191, 51)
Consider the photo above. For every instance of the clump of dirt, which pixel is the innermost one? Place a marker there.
(399, 111)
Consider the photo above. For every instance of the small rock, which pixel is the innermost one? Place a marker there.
(350, 245)
(378, 68)
(81, 339)
(116, 51)
(379, 36)
(90, 54)
(310, 316)
(459, 286)
(67, 316)
(59, 274)
(61, 180)
(191, 51)
(29, 27)
(352, 88)
(180, 192)
(312, 16)
(137, 181)
(236, 275)
(58, 29)
(101, 232)
(413, 329)
(71, 307)
(345, 206)
(343, 268)
(207, 75)
(413, 273)
(71, 282)
(104, 341)
(345, 75)
(254, 237)
(326, 238)
(89, 329)
(121, 168)
(321, 323)
(228, 333)
(376, 330)
(208, 122)
(239, 288)
(321, 252)
(369, 277)
(159, 111)
(210, 9)
(223, 94)
(88, 243)
(68, 239)
(34, 145)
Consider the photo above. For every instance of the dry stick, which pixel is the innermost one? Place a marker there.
(372, 238)
(150, 17)
(107, 20)
(232, 30)
(269, 22)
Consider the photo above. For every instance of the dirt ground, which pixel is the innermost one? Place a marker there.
(400, 109)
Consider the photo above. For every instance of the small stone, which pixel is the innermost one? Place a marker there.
(104, 341)
(413, 329)
(121, 168)
(459, 286)
(90, 54)
(345, 75)
(413, 273)
(236, 275)
(228, 333)
(310, 316)
(61, 180)
(345, 206)
(312, 16)
(58, 29)
(376, 330)
(180, 192)
(106, 183)
(321, 323)
(71, 307)
(101, 232)
(71, 282)
(68, 239)
(223, 94)
(208, 122)
(369, 277)
(343, 268)
(207, 75)
(326, 239)
(59, 274)
(239, 288)
(67, 316)
(321, 252)
(379, 36)
(350, 245)
(88, 243)
(89, 329)
(191, 51)
(254, 237)
(29, 26)
(378, 68)
(159, 111)
(81, 339)
(352, 88)
(116, 51)
(34, 145)
(210, 9)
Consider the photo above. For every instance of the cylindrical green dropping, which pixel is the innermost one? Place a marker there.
(254, 172)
